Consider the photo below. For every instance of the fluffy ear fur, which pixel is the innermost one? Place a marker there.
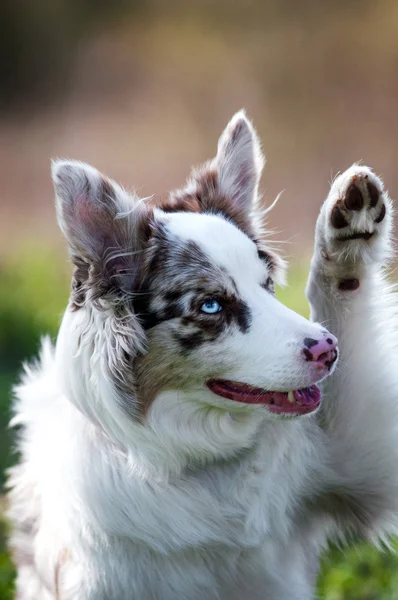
(228, 184)
(104, 226)
(239, 162)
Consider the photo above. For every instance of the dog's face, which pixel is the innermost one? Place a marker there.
(213, 325)
(178, 301)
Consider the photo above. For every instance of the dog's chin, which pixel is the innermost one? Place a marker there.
(293, 403)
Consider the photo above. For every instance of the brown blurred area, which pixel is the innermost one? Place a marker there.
(142, 90)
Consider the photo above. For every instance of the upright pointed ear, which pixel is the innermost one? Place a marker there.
(239, 162)
(103, 225)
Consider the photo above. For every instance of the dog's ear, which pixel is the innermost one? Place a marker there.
(239, 162)
(104, 226)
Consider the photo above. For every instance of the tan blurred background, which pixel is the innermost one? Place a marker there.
(142, 90)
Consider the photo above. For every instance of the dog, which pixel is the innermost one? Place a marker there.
(188, 436)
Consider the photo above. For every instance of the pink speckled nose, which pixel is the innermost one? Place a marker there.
(323, 351)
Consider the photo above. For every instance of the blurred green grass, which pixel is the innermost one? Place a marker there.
(33, 293)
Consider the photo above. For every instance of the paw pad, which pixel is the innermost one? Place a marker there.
(363, 198)
(381, 215)
(348, 285)
(337, 218)
(353, 198)
(374, 194)
(353, 229)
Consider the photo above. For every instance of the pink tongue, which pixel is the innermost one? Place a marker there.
(306, 399)
(307, 395)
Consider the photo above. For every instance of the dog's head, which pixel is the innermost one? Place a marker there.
(172, 310)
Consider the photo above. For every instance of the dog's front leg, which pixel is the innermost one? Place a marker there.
(348, 293)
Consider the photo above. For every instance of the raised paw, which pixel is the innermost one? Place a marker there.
(354, 225)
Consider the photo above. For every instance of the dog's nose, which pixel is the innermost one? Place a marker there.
(323, 351)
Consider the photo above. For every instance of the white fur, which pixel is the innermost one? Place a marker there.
(208, 498)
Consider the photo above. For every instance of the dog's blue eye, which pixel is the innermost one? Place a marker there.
(211, 307)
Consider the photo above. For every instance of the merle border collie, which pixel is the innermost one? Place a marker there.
(189, 437)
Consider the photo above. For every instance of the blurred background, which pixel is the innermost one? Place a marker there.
(142, 89)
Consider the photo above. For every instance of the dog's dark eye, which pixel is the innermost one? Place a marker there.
(211, 307)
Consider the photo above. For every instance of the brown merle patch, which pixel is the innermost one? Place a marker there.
(273, 261)
(180, 278)
(208, 328)
(79, 283)
(269, 286)
(267, 256)
(192, 340)
(163, 367)
(115, 267)
(203, 196)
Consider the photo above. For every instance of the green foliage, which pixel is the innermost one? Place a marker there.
(293, 294)
(7, 572)
(359, 573)
(33, 294)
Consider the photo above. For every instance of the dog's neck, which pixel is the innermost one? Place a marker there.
(170, 444)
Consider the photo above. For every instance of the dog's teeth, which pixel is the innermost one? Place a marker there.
(291, 397)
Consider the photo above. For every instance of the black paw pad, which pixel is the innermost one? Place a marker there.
(374, 194)
(353, 199)
(381, 215)
(348, 285)
(337, 218)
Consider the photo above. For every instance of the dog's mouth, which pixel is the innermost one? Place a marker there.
(295, 402)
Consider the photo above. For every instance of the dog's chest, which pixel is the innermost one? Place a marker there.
(241, 502)
(234, 504)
